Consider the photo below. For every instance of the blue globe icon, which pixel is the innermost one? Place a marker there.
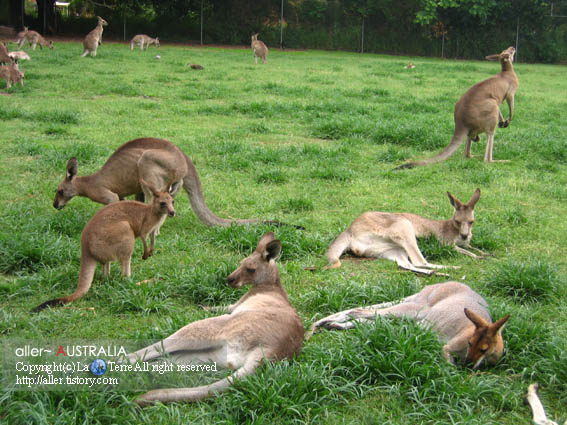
(98, 367)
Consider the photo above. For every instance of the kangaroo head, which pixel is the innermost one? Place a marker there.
(259, 267)
(101, 21)
(463, 218)
(163, 202)
(50, 45)
(66, 189)
(486, 342)
(157, 42)
(505, 57)
(255, 36)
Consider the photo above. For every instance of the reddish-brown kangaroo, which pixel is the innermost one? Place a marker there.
(110, 235)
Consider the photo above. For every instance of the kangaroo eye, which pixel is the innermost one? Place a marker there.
(483, 350)
(162, 204)
(60, 192)
(250, 270)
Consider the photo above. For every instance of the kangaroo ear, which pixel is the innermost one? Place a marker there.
(267, 238)
(476, 196)
(71, 168)
(273, 250)
(150, 186)
(454, 201)
(499, 324)
(478, 321)
(492, 57)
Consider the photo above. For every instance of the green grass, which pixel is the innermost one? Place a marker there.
(309, 139)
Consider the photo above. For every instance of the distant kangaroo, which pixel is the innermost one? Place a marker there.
(143, 40)
(34, 38)
(157, 161)
(259, 48)
(478, 111)
(94, 38)
(453, 310)
(110, 235)
(12, 74)
(393, 236)
(261, 325)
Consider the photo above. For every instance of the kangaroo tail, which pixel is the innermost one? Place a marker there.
(86, 275)
(192, 186)
(337, 248)
(202, 392)
(456, 141)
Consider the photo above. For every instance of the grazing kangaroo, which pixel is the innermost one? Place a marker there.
(34, 38)
(259, 48)
(261, 325)
(94, 38)
(453, 310)
(143, 40)
(21, 36)
(478, 111)
(539, 417)
(12, 73)
(393, 236)
(157, 161)
(110, 235)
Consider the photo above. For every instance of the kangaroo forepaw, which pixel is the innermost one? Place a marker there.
(503, 124)
(335, 265)
(148, 254)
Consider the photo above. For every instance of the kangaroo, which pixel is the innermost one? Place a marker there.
(143, 40)
(94, 38)
(453, 310)
(539, 417)
(393, 236)
(5, 55)
(19, 55)
(110, 235)
(259, 48)
(12, 73)
(21, 36)
(478, 111)
(262, 324)
(34, 38)
(157, 161)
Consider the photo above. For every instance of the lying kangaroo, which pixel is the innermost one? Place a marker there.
(393, 236)
(157, 161)
(33, 38)
(12, 74)
(110, 235)
(478, 111)
(143, 40)
(94, 38)
(262, 324)
(539, 417)
(19, 55)
(453, 310)
(259, 48)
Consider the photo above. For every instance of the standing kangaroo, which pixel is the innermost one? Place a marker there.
(393, 236)
(12, 74)
(478, 111)
(94, 38)
(453, 310)
(261, 325)
(143, 40)
(156, 161)
(259, 48)
(110, 235)
(5, 55)
(34, 38)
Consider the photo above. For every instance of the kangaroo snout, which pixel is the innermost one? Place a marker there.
(231, 280)
(464, 236)
(171, 213)
(57, 206)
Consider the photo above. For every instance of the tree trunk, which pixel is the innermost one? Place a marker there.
(17, 14)
(46, 15)
(362, 38)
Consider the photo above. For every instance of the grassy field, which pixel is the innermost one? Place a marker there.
(309, 139)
